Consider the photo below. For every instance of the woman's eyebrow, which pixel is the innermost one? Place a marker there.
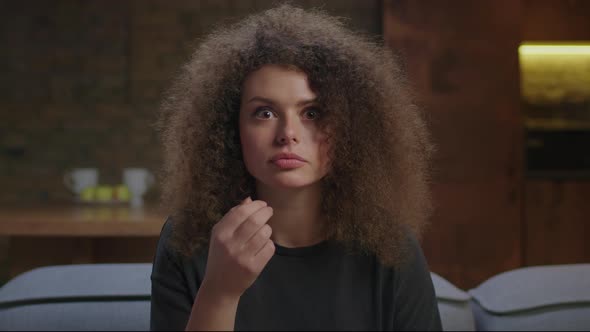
(307, 102)
(261, 99)
(272, 102)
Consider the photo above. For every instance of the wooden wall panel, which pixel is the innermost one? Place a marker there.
(557, 224)
(557, 212)
(556, 20)
(461, 57)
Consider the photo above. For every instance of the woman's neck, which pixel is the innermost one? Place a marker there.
(296, 220)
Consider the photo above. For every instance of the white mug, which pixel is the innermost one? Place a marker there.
(78, 179)
(138, 180)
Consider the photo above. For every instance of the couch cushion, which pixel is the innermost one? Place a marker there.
(77, 316)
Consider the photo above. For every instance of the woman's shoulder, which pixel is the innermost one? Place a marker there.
(167, 228)
(408, 258)
(168, 244)
(414, 267)
(164, 247)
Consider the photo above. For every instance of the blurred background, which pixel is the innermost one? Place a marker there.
(505, 84)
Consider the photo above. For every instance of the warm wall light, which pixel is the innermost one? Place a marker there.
(553, 73)
(554, 49)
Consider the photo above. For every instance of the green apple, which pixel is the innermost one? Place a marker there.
(104, 193)
(121, 193)
(88, 194)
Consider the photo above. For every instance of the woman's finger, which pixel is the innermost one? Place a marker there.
(234, 218)
(252, 224)
(257, 241)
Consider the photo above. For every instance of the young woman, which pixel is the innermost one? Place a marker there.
(296, 177)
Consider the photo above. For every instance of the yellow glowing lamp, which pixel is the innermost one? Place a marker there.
(554, 49)
(553, 73)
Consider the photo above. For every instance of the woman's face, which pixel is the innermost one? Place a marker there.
(281, 141)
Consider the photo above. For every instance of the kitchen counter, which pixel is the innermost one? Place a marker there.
(80, 221)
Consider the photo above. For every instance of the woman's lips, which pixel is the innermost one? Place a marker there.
(287, 160)
(288, 163)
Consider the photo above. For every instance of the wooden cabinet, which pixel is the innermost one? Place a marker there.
(67, 234)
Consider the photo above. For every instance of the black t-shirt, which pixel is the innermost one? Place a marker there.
(321, 287)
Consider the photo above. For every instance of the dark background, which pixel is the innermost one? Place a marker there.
(81, 81)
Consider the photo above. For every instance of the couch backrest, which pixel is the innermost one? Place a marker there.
(453, 305)
(117, 297)
(552, 297)
(109, 297)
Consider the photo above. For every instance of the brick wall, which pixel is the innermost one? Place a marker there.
(81, 81)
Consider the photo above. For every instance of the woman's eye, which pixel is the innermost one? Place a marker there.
(263, 113)
(312, 114)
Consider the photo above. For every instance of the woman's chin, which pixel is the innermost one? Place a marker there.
(289, 182)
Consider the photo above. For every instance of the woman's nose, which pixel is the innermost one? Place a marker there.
(288, 132)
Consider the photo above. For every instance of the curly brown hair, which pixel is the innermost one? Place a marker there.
(377, 189)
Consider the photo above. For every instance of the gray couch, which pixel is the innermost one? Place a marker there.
(116, 297)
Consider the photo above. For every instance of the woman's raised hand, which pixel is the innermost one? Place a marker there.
(239, 249)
